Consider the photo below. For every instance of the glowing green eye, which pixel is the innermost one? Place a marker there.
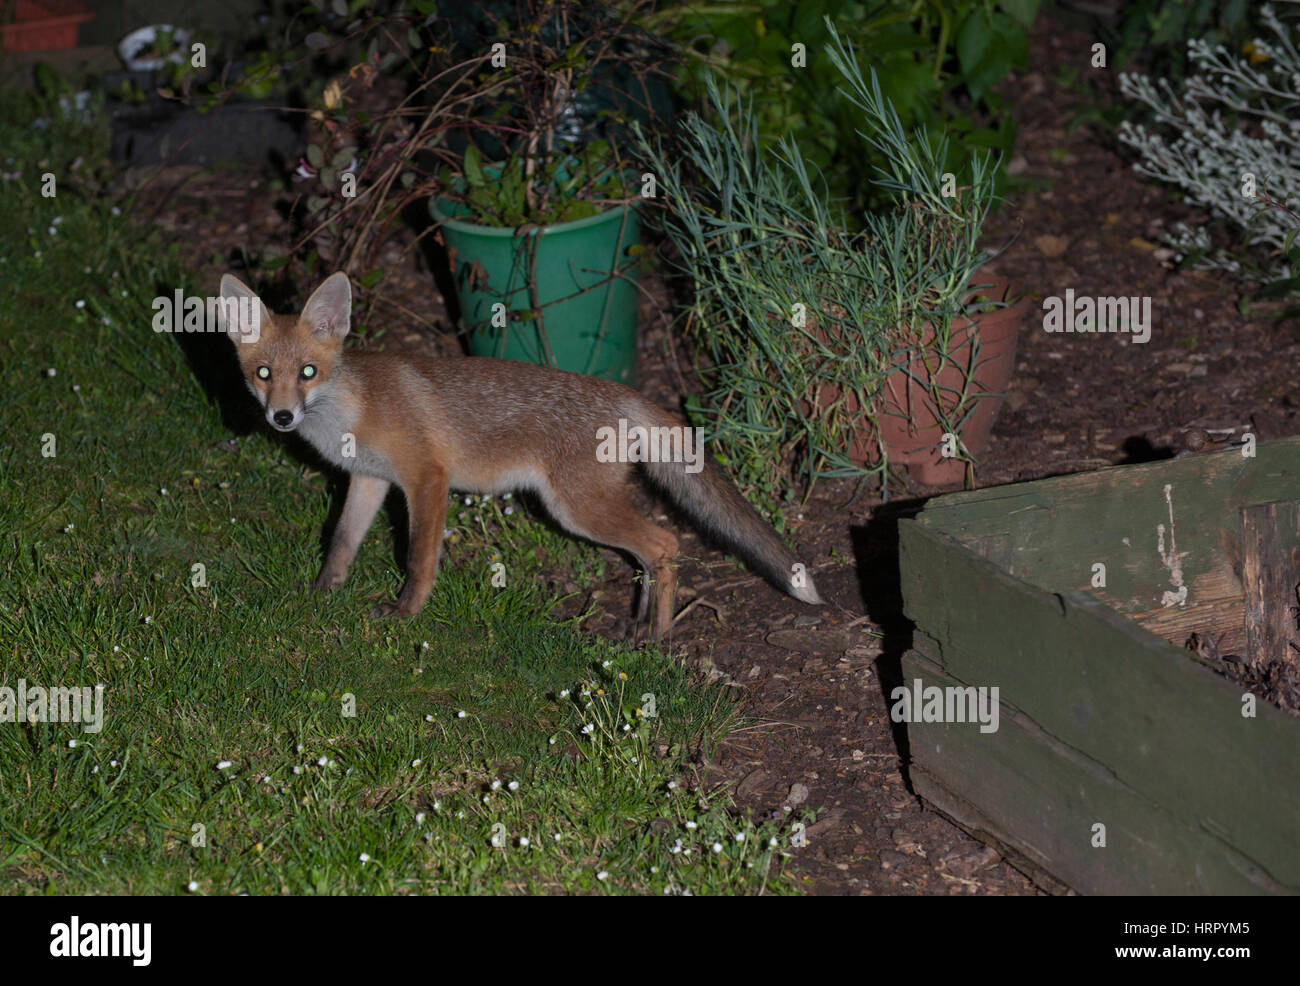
(263, 373)
(308, 372)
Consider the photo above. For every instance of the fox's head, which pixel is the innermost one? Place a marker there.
(286, 358)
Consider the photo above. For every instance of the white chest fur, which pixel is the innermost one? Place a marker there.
(329, 427)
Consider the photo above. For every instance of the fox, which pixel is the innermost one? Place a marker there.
(483, 425)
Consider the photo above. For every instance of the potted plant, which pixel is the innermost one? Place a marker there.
(552, 282)
(958, 334)
(148, 49)
(539, 211)
(497, 131)
(818, 337)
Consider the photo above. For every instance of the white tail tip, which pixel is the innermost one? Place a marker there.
(807, 594)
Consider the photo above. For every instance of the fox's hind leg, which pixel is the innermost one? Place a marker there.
(608, 516)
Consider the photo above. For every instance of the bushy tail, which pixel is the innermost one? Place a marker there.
(713, 501)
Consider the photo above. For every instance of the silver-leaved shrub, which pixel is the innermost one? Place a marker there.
(1231, 143)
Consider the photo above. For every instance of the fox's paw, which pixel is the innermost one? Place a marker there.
(326, 581)
(396, 609)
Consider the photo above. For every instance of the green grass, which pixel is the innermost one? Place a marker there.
(260, 737)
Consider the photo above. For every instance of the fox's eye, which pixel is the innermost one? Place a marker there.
(263, 373)
(308, 372)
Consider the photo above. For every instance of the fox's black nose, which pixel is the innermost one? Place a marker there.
(283, 418)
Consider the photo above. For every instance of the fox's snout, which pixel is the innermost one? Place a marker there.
(284, 410)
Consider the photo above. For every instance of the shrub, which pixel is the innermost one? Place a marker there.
(789, 303)
(1234, 152)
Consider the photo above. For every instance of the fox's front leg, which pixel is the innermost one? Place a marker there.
(426, 505)
(365, 496)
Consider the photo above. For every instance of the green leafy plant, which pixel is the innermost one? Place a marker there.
(790, 305)
(937, 63)
(1157, 31)
(561, 188)
(162, 45)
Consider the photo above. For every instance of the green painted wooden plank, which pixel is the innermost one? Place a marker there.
(1026, 790)
(1269, 475)
(1152, 714)
(1125, 518)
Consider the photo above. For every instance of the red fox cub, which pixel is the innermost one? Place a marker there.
(485, 426)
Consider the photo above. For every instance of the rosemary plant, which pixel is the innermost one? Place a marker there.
(799, 319)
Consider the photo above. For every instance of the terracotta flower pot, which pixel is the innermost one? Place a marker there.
(909, 428)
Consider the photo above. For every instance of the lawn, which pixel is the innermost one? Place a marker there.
(259, 737)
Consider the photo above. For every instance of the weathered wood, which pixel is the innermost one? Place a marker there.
(1270, 541)
(1058, 528)
(1055, 806)
(1094, 702)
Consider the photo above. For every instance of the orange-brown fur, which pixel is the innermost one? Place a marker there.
(485, 426)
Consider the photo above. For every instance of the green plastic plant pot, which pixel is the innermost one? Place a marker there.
(589, 317)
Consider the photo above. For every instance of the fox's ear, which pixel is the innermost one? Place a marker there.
(242, 312)
(328, 312)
